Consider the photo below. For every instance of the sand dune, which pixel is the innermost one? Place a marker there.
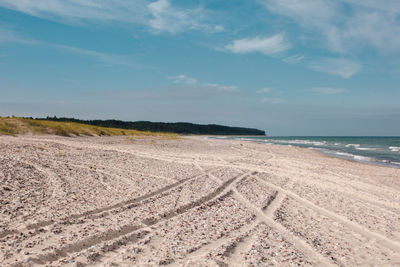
(114, 201)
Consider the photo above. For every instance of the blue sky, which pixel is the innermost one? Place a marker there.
(310, 67)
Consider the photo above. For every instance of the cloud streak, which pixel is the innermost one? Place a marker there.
(265, 45)
(158, 16)
(9, 36)
(182, 79)
(344, 26)
(264, 90)
(190, 81)
(111, 59)
(336, 66)
(166, 18)
(273, 100)
(329, 90)
(295, 59)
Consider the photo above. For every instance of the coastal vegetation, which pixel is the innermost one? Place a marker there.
(18, 125)
(174, 127)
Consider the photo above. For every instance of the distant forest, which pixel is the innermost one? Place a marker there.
(174, 127)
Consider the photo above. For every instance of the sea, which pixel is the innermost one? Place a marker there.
(365, 149)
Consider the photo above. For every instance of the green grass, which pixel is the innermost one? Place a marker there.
(8, 127)
(15, 126)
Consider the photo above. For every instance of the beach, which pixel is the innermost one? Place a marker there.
(193, 201)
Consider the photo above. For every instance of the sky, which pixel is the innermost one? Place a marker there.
(289, 67)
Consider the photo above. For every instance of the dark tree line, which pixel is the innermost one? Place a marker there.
(168, 127)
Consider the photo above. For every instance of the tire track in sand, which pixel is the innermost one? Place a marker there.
(386, 242)
(40, 224)
(300, 244)
(128, 231)
(117, 205)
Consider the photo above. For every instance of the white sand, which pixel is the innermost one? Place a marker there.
(112, 201)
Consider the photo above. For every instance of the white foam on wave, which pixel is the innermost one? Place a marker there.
(353, 145)
(327, 148)
(358, 147)
(267, 143)
(365, 148)
(300, 142)
(362, 158)
(352, 156)
(244, 139)
(344, 154)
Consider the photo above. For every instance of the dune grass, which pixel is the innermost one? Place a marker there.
(15, 126)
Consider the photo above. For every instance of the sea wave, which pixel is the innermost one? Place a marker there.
(363, 158)
(343, 154)
(300, 142)
(372, 152)
(365, 148)
(352, 145)
(394, 148)
(358, 147)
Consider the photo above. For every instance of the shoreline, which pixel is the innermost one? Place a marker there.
(369, 160)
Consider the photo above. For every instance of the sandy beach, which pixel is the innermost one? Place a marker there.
(119, 201)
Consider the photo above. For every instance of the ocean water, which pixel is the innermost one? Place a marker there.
(372, 149)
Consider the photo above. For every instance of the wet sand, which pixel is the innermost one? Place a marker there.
(117, 201)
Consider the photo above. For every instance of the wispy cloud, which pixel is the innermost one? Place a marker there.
(264, 90)
(293, 59)
(9, 36)
(71, 11)
(329, 90)
(158, 16)
(169, 19)
(336, 66)
(266, 45)
(344, 25)
(182, 79)
(273, 100)
(111, 59)
(222, 88)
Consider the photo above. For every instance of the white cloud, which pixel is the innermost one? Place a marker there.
(329, 90)
(265, 45)
(336, 66)
(182, 79)
(344, 25)
(86, 10)
(264, 90)
(107, 58)
(9, 36)
(219, 28)
(158, 16)
(305, 12)
(293, 59)
(272, 100)
(166, 18)
(222, 88)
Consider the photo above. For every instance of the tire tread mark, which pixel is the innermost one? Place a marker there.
(115, 206)
(113, 234)
(388, 243)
